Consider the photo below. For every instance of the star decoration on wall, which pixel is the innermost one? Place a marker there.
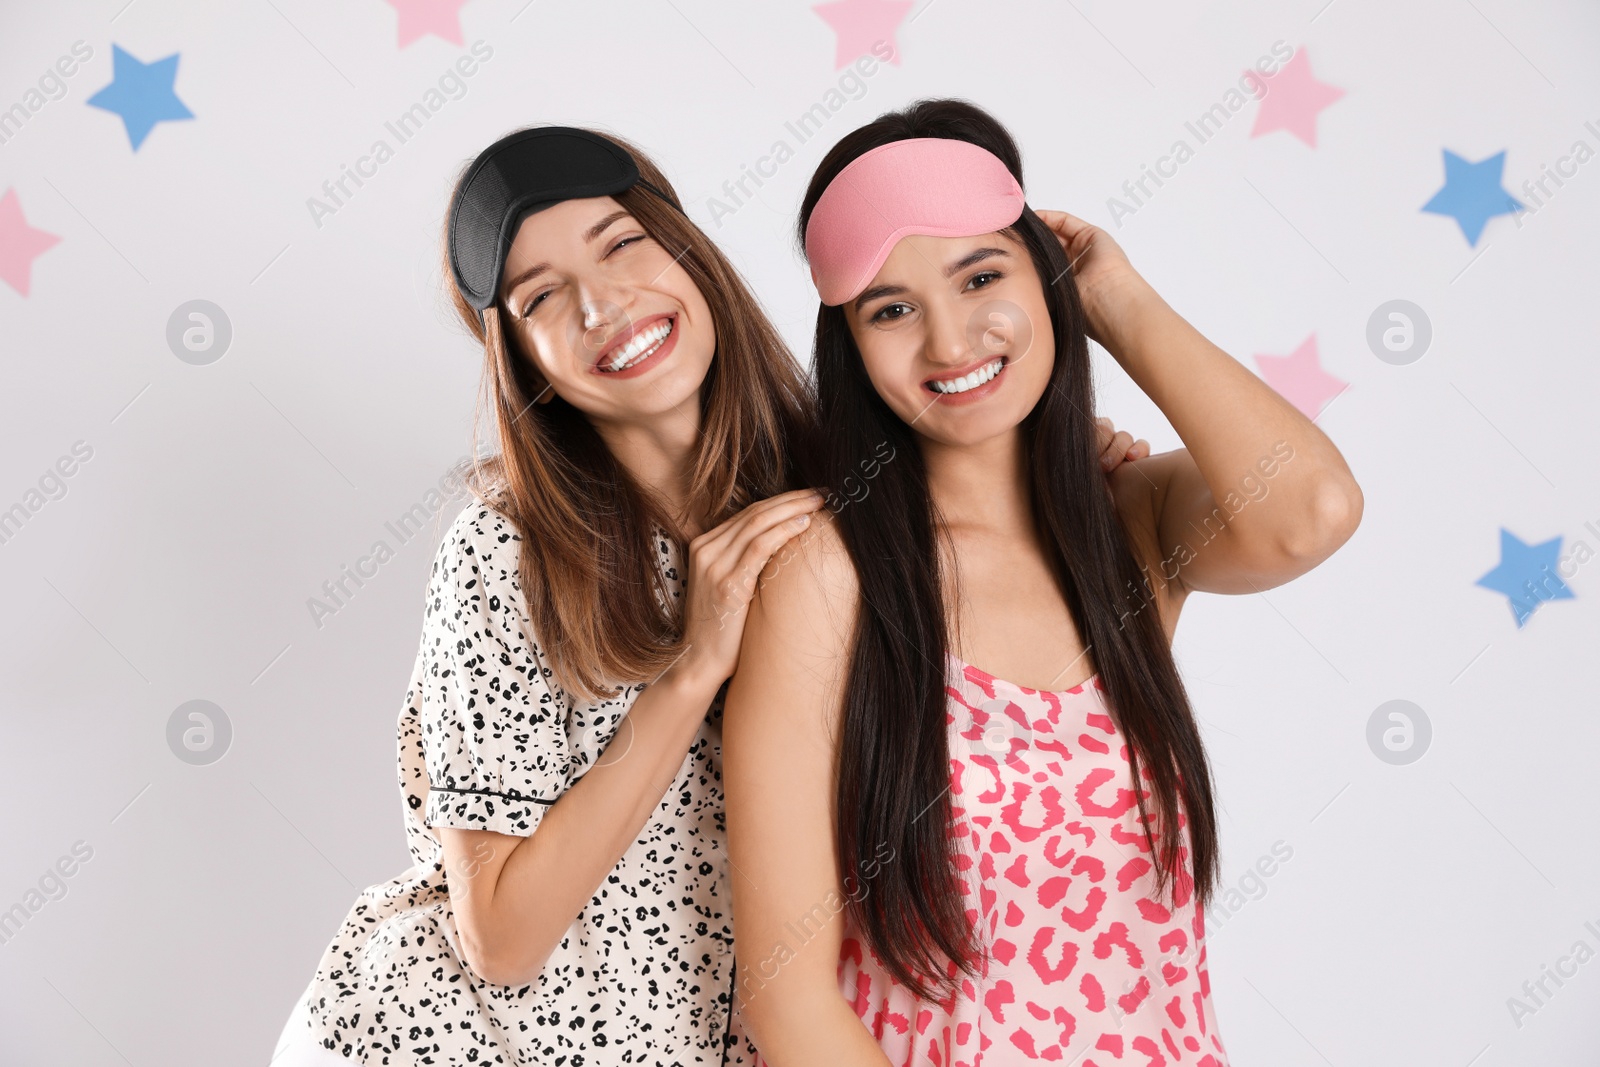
(141, 94)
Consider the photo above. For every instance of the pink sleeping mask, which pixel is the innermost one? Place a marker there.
(935, 186)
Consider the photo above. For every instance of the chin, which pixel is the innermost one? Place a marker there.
(968, 430)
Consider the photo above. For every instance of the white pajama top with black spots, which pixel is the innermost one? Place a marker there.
(488, 740)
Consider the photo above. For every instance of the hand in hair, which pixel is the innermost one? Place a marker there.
(1108, 285)
(1118, 445)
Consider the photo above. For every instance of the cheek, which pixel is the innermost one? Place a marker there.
(705, 329)
(882, 384)
(694, 302)
(1036, 337)
(548, 350)
(1043, 352)
(888, 364)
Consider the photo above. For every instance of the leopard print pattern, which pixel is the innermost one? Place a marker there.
(489, 740)
(1086, 967)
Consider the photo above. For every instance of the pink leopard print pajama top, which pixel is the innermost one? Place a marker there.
(1087, 968)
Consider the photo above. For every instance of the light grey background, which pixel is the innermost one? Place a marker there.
(219, 498)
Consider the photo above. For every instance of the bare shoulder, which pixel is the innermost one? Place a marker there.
(798, 634)
(1137, 491)
(813, 571)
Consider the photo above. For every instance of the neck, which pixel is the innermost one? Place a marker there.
(984, 486)
(658, 452)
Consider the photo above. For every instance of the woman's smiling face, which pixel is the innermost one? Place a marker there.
(955, 335)
(614, 323)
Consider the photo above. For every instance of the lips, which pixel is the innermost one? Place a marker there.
(618, 344)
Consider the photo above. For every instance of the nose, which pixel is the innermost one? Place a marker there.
(945, 339)
(604, 307)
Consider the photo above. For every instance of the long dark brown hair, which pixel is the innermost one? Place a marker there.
(587, 566)
(893, 771)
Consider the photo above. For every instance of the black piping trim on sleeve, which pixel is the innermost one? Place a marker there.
(488, 793)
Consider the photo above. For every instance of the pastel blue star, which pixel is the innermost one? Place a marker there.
(1527, 575)
(1472, 193)
(141, 93)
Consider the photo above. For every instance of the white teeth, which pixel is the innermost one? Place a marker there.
(970, 381)
(639, 346)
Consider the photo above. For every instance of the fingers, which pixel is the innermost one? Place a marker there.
(761, 549)
(720, 560)
(1115, 452)
(785, 519)
(717, 539)
(1070, 221)
(1068, 227)
(1116, 446)
(737, 571)
(724, 566)
(1056, 221)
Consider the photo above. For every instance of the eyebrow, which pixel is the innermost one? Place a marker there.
(588, 235)
(877, 291)
(977, 255)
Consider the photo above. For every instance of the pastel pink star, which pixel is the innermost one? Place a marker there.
(20, 244)
(442, 18)
(1300, 379)
(1292, 99)
(862, 24)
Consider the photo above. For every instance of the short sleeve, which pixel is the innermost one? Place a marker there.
(494, 731)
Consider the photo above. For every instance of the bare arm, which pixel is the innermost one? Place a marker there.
(779, 737)
(1259, 495)
(515, 897)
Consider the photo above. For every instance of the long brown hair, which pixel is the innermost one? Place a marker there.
(587, 566)
(893, 771)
